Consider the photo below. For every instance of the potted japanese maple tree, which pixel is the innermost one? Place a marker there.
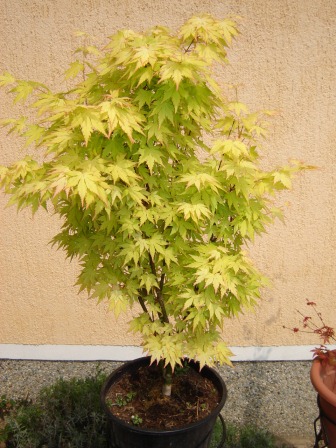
(155, 174)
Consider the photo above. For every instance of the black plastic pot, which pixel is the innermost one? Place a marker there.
(196, 435)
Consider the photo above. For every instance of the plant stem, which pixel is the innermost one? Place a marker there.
(168, 377)
(189, 46)
(158, 292)
(143, 306)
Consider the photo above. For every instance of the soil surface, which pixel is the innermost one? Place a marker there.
(137, 398)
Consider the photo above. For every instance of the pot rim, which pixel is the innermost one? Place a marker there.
(218, 383)
(316, 376)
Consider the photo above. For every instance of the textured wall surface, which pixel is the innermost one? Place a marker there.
(283, 60)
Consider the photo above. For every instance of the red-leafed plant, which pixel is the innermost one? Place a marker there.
(316, 325)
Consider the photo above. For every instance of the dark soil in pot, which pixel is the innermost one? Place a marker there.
(136, 397)
(186, 422)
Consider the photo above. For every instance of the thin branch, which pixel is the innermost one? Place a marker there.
(189, 46)
(143, 306)
(158, 292)
(152, 265)
(162, 281)
(230, 131)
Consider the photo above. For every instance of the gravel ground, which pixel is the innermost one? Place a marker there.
(21, 379)
(276, 396)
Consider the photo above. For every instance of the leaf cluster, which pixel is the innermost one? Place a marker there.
(150, 220)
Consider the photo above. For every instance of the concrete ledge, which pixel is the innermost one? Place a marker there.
(128, 352)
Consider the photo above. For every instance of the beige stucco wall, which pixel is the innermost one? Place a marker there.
(285, 60)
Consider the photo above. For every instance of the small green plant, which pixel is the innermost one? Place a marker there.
(136, 420)
(109, 402)
(122, 400)
(67, 414)
(6, 405)
(250, 436)
(243, 436)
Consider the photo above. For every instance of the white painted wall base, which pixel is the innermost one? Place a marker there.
(126, 353)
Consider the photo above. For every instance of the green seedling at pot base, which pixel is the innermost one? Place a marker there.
(136, 420)
(155, 174)
(122, 400)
